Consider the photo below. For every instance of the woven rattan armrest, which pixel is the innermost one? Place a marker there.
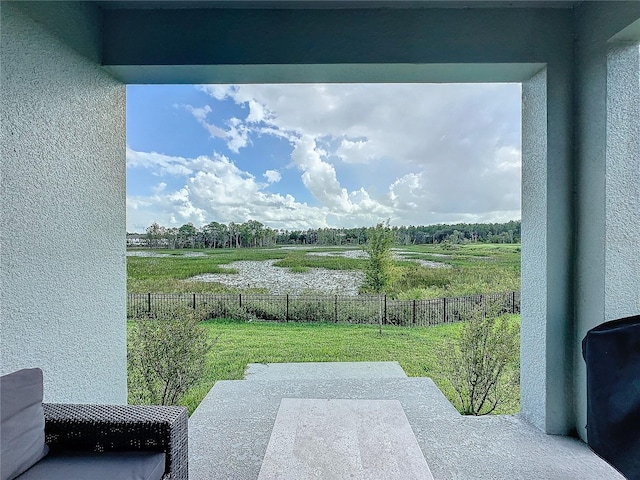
(100, 428)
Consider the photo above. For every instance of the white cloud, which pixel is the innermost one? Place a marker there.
(272, 176)
(508, 158)
(237, 134)
(158, 163)
(319, 176)
(417, 153)
(219, 92)
(199, 113)
(408, 193)
(460, 143)
(257, 112)
(216, 190)
(159, 188)
(355, 151)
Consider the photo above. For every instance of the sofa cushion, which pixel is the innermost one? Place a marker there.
(95, 466)
(21, 422)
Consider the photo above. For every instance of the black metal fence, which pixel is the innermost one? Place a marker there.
(323, 308)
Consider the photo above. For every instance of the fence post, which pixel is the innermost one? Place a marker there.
(194, 301)
(513, 302)
(149, 302)
(240, 300)
(336, 309)
(444, 310)
(414, 312)
(385, 310)
(286, 314)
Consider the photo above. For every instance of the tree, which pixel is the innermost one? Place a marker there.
(221, 234)
(155, 233)
(255, 234)
(456, 237)
(172, 237)
(252, 232)
(213, 234)
(234, 234)
(379, 267)
(187, 235)
(477, 365)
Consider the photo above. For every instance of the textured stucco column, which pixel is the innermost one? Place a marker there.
(534, 241)
(607, 265)
(622, 183)
(62, 223)
(547, 239)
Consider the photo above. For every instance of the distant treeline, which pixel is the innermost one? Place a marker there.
(254, 234)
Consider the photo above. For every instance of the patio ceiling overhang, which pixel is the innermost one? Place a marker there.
(207, 45)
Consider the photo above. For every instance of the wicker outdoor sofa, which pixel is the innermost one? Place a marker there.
(65, 441)
(102, 428)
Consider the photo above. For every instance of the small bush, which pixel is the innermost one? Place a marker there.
(166, 356)
(311, 311)
(479, 364)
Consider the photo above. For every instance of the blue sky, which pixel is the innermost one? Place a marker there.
(309, 156)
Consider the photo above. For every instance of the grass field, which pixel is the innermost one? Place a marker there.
(474, 269)
(240, 343)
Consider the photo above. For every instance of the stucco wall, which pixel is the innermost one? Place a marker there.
(534, 255)
(63, 214)
(622, 225)
(607, 178)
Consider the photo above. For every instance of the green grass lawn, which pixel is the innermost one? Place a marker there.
(240, 343)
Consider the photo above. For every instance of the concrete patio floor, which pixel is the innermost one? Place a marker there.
(230, 430)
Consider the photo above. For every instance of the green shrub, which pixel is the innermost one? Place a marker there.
(167, 356)
(302, 310)
(480, 365)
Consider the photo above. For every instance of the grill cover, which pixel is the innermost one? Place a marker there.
(612, 354)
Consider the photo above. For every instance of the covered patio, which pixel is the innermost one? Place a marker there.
(65, 66)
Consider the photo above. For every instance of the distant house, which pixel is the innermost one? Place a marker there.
(137, 240)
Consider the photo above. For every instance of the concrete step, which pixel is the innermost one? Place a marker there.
(323, 370)
(230, 429)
